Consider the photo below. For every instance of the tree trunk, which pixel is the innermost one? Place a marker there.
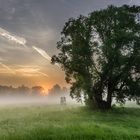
(101, 104)
(98, 98)
(109, 95)
(109, 100)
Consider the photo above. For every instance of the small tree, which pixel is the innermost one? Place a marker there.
(100, 55)
(55, 90)
(37, 90)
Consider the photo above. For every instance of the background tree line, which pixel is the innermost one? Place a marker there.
(23, 90)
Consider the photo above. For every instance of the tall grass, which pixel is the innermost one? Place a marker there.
(68, 123)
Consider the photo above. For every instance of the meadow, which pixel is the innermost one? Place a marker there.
(55, 122)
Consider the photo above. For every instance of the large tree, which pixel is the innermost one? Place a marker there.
(100, 54)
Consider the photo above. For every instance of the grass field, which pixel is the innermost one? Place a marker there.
(68, 123)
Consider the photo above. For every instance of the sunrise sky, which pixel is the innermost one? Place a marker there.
(29, 30)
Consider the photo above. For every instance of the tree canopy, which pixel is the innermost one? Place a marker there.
(100, 54)
(57, 91)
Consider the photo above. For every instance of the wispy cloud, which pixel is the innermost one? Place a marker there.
(30, 71)
(42, 52)
(22, 41)
(44, 74)
(7, 68)
(11, 37)
(23, 70)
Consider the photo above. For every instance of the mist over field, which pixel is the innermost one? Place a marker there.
(23, 95)
(34, 100)
(22, 100)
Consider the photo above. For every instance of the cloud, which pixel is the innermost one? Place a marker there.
(44, 74)
(26, 71)
(9, 36)
(23, 70)
(22, 41)
(30, 71)
(42, 52)
(7, 68)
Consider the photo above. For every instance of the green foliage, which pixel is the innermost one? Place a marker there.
(100, 54)
(68, 123)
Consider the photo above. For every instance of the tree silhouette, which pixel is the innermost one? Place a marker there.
(37, 90)
(100, 54)
(56, 90)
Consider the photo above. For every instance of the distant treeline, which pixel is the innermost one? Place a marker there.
(34, 91)
(21, 90)
(56, 90)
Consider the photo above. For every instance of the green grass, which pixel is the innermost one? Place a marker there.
(68, 123)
